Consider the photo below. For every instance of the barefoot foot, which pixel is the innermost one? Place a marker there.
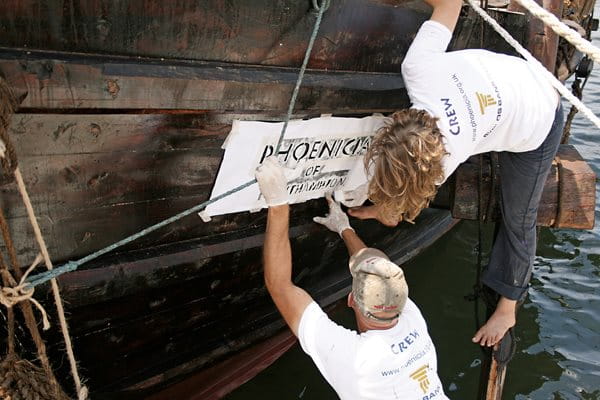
(501, 321)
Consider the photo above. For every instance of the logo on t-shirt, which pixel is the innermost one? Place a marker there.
(485, 100)
(420, 375)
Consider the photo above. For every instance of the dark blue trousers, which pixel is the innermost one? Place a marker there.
(522, 176)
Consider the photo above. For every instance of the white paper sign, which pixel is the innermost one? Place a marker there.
(320, 155)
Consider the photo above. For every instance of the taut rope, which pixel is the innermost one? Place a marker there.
(73, 265)
(561, 29)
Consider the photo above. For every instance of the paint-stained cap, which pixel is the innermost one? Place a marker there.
(378, 284)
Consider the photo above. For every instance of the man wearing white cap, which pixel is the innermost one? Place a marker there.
(392, 355)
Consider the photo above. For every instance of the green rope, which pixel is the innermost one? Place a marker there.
(321, 10)
(38, 279)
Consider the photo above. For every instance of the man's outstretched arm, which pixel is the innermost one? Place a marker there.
(290, 300)
(353, 242)
(445, 12)
(337, 221)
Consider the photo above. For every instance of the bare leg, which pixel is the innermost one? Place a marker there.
(501, 321)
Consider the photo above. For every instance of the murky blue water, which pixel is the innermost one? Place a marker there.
(558, 354)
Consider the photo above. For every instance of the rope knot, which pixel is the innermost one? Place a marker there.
(71, 266)
(10, 296)
(22, 291)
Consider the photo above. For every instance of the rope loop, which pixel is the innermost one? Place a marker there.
(23, 291)
(324, 3)
(11, 296)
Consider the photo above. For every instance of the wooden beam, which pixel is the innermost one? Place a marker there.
(356, 35)
(577, 194)
(568, 199)
(61, 81)
(495, 384)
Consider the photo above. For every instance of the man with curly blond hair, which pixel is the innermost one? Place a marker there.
(464, 103)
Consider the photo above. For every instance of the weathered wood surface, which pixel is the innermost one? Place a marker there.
(542, 41)
(354, 35)
(215, 383)
(568, 199)
(577, 195)
(46, 79)
(473, 33)
(96, 179)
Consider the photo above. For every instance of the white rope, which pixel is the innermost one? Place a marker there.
(533, 61)
(82, 391)
(561, 29)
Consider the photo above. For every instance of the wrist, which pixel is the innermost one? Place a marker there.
(346, 230)
(280, 209)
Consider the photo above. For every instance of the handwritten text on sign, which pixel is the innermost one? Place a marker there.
(320, 155)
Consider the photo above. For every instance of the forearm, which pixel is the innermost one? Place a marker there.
(352, 241)
(445, 12)
(277, 251)
(290, 300)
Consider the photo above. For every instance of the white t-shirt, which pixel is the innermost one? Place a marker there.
(484, 101)
(397, 363)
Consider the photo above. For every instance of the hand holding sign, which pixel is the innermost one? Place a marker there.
(272, 182)
(336, 220)
(353, 198)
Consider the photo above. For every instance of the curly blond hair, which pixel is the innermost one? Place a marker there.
(405, 156)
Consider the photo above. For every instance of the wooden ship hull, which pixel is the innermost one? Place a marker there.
(123, 109)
